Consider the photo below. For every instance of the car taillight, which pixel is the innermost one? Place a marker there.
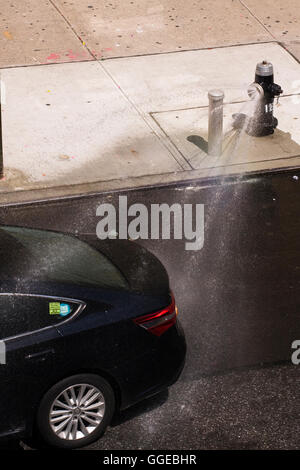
(160, 321)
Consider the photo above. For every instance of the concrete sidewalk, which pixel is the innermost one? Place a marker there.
(51, 31)
(95, 125)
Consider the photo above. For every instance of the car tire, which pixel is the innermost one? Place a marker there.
(62, 423)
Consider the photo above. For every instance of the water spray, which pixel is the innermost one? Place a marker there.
(1, 145)
(264, 90)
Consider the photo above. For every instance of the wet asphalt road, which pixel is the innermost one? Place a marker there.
(238, 299)
(249, 409)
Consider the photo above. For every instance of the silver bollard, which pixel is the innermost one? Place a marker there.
(215, 122)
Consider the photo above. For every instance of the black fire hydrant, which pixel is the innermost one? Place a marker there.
(264, 90)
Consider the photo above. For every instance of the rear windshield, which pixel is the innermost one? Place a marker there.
(30, 253)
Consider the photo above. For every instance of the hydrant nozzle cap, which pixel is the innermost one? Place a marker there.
(264, 68)
(255, 91)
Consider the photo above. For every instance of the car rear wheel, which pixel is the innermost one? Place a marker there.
(76, 411)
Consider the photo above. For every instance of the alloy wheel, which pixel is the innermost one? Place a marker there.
(77, 412)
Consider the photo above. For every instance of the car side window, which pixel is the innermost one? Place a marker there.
(21, 314)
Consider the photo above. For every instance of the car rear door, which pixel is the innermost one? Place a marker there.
(30, 343)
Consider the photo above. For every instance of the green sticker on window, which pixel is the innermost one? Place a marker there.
(54, 308)
(59, 308)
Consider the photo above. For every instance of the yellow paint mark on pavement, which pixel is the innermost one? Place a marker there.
(7, 35)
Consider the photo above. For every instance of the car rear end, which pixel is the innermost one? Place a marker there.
(160, 338)
(156, 348)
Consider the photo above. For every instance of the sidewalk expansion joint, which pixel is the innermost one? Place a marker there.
(148, 120)
(71, 27)
(257, 19)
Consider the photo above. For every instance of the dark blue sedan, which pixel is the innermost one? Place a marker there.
(88, 327)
